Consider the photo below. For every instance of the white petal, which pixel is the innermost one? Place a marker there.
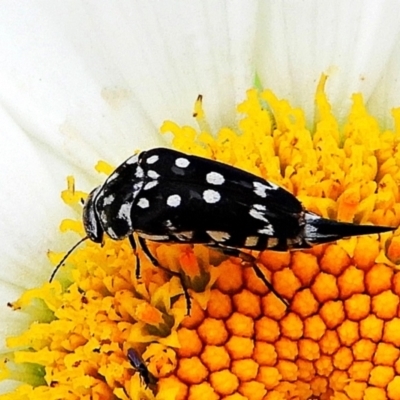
(351, 41)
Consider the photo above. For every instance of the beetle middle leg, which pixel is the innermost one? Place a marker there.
(143, 245)
(248, 258)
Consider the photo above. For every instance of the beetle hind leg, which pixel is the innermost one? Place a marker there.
(248, 258)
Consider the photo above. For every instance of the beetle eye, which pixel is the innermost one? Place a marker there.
(91, 222)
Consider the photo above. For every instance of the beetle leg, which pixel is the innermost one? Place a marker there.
(248, 258)
(132, 241)
(154, 261)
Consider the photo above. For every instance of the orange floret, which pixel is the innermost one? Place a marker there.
(314, 327)
(231, 278)
(172, 383)
(224, 382)
(381, 376)
(215, 358)
(338, 380)
(286, 283)
(355, 390)
(212, 331)
(191, 370)
(386, 354)
(343, 359)
(240, 325)
(325, 287)
(286, 349)
(364, 349)
(202, 391)
(239, 347)
(374, 393)
(357, 307)
(273, 307)
(253, 282)
(391, 332)
(378, 279)
(351, 282)
(265, 353)
(332, 313)
(267, 329)
(196, 316)
(360, 370)
(190, 343)
(393, 251)
(335, 260)
(348, 332)
(245, 370)
(329, 343)
(324, 366)
(308, 350)
(275, 261)
(292, 326)
(304, 303)
(306, 370)
(305, 267)
(385, 304)
(252, 390)
(365, 253)
(288, 370)
(219, 305)
(393, 389)
(247, 303)
(269, 376)
(371, 328)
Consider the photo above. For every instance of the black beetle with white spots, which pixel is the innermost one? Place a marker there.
(164, 195)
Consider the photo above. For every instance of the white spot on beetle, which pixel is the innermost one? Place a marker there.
(219, 236)
(184, 236)
(112, 234)
(251, 241)
(153, 174)
(152, 159)
(143, 203)
(182, 162)
(132, 160)
(259, 207)
(267, 230)
(174, 200)
(108, 200)
(211, 196)
(154, 238)
(139, 172)
(272, 242)
(260, 189)
(215, 178)
(258, 215)
(124, 213)
(150, 185)
(103, 217)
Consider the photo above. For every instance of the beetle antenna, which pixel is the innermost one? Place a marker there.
(65, 257)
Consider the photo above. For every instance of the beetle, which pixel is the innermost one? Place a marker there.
(146, 377)
(164, 195)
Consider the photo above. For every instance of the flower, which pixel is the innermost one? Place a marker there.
(72, 121)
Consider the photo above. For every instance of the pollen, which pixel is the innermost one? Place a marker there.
(338, 337)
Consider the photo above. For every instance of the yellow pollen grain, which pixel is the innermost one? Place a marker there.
(339, 338)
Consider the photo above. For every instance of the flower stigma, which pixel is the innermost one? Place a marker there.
(339, 339)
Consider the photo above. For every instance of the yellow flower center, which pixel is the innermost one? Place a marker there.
(340, 337)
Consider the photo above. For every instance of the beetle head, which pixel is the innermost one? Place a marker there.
(91, 221)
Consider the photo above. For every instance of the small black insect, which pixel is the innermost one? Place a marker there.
(146, 377)
(164, 195)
